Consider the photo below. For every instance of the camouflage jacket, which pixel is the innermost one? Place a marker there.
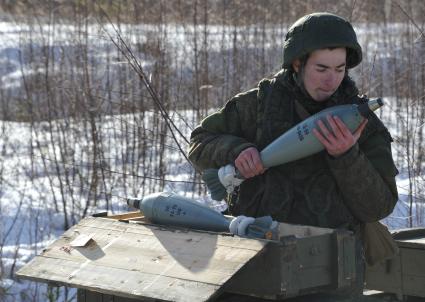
(318, 190)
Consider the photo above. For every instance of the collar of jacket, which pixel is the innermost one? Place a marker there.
(345, 92)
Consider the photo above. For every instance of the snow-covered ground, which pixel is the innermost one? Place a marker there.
(34, 200)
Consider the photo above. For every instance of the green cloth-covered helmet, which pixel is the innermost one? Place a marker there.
(318, 31)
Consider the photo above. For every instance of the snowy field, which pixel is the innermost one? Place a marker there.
(32, 196)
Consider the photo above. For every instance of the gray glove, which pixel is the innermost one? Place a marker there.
(261, 227)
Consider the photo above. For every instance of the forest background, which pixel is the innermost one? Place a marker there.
(79, 131)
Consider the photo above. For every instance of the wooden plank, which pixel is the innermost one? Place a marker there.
(413, 262)
(127, 216)
(413, 271)
(192, 255)
(315, 251)
(185, 234)
(402, 275)
(410, 238)
(416, 240)
(313, 277)
(301, 231)
(315, 261)
(113, 281)
(170, 257)
(105, 230)
(194, 264)
(414, 243)
(286, 269)
(385, 276)
(414, 285)
(405, 273)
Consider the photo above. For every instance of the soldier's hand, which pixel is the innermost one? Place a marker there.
(340, 139)
(249, 163)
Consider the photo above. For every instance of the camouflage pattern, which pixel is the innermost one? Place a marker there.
(318, 190)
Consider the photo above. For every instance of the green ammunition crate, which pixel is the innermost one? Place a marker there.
(123, 258)
(404, 275)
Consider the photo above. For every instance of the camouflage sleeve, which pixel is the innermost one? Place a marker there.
(221, 136)
(366, 177)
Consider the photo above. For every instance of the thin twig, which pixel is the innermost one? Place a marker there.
(125, 50)
(102, 166)
(410, 18)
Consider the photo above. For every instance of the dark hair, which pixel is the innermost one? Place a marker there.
(303, 59)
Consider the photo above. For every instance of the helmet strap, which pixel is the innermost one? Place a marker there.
(299, 78)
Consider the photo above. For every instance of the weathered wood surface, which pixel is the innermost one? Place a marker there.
(386, 276)
(302, 231)
(412, 238)
(133, 260)
(418, 243)
(413, 271)
(135, 215)
(405, 273)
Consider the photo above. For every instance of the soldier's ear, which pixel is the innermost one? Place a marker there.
(296, 65)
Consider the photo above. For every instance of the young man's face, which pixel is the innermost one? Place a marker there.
(323, 72)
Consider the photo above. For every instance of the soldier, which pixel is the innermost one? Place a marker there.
(350, 183)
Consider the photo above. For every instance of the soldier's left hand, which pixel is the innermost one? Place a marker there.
(340, 139)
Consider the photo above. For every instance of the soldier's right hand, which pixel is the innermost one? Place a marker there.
(249, 163)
